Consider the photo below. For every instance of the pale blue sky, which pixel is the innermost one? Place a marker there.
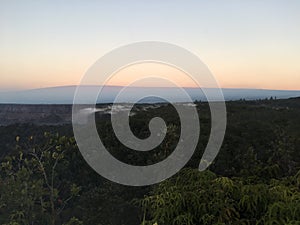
(250, 43)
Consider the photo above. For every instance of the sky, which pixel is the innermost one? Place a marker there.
(245, 44)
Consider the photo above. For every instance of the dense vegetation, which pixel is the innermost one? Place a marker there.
(254, 180)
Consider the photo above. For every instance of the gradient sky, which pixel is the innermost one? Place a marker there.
(246, 44)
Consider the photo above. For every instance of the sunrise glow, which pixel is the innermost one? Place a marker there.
(249, 44)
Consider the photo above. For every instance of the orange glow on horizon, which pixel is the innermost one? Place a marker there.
(142, 71)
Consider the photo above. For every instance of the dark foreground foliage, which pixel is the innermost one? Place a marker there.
(254, 180)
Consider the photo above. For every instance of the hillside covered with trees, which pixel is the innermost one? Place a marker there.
(255, 179)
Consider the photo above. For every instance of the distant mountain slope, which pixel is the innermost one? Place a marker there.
(64, 94)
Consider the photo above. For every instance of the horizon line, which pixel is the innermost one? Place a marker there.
(120, 86)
